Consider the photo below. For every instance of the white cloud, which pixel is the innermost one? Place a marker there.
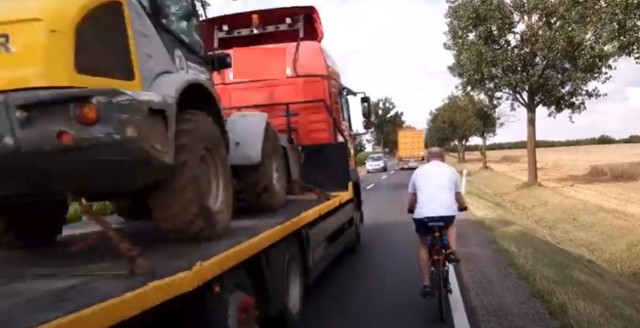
(395, 49)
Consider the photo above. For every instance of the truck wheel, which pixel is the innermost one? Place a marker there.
(265, 186)
(197, 202)
(295, 285)
(232, 303)
(31, 225)
(357, 225)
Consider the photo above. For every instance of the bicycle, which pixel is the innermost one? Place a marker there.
(438, 246)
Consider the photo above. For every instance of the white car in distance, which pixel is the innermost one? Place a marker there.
(376, 163)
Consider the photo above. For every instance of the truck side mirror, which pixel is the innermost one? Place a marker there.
(219, 60)
(365, 102)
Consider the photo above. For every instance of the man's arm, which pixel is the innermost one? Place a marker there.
(413, 198)
(462, 203)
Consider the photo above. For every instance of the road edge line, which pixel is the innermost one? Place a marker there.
(458, 311)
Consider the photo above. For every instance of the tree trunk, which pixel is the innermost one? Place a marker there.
(464, 147)
(532, 160)
(483, 151)
(459, 148)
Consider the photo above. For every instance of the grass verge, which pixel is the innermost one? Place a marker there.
(581, 261)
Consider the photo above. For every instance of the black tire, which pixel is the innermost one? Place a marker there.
(441, 293)
(197, 202)
(33, 224)
(357, 221)
(295, 285)
(265, 186)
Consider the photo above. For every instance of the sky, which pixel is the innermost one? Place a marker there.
(394, 49)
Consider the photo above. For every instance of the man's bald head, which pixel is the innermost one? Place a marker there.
(435, 153)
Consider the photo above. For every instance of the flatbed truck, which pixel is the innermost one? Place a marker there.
(268, 258)
(258, 268)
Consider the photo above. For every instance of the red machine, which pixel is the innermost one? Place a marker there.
(295, 81)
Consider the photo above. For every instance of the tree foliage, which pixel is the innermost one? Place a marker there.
(457, 120)
(386, 122)
(360, 145)
(531, 53)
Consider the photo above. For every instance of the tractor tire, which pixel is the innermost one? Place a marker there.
(196, 203)
(31, 225)
(265, 186)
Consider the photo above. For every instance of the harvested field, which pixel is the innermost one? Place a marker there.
(607, 175)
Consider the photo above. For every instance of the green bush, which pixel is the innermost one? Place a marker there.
(74, 215)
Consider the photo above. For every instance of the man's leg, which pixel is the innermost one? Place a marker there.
(423, 260)
(452, 237)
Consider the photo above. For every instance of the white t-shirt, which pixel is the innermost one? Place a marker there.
(435, 185)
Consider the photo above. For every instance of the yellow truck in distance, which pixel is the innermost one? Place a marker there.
(411, 148)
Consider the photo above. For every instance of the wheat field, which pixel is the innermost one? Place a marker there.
(607, 175)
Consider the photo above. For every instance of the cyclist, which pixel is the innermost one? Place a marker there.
(434, 196)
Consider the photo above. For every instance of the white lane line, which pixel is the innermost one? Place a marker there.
(371, 186)
(458, 312)
(384, 177)
(392, 171)
(460, 319)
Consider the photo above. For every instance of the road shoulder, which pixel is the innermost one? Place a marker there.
(497, 297)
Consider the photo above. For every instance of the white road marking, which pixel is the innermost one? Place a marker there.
(460, 319)
(384, 177)
(392, 171)
(371, 186)
(458, 312)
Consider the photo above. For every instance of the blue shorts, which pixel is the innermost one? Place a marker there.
(424, 225)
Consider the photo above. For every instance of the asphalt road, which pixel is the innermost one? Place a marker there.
(377, 286)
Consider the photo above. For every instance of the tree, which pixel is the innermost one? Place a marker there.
(490, 118)
(436, 135)
(455, 121)
(535, 53)
(360, 145)
(386, 122)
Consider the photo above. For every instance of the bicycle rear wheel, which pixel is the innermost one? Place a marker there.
(441, 292)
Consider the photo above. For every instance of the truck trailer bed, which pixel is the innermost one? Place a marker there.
(91, 288)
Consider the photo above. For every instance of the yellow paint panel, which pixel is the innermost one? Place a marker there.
(42, 34)
(128, 305)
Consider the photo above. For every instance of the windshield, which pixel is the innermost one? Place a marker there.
(376, 158)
